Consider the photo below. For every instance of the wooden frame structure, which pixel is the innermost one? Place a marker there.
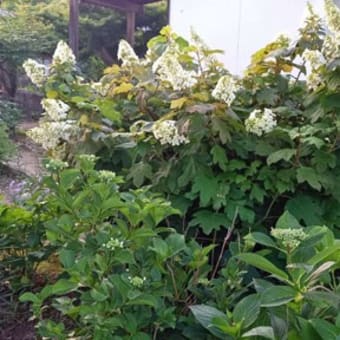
(130, 7)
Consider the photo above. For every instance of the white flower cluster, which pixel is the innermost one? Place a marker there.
(166, 132)
(88, 158)
(113, 244)
(225, 89)
(205, 59)
(56, 164)
(63, 55)
(100, 88)
(35, 71)
(56, 109)
(290, 238)
(312, 22)
(38, 73)
(260, 122)
(332, 16)
(106, 176)
(170, 70)
(50, 134)
(314, 60)
(137, 281)
(127, 54)
(331, 46)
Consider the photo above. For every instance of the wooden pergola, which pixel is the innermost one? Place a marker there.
(129, 7)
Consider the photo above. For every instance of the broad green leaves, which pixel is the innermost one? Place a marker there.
(283, 154)
(262, 263)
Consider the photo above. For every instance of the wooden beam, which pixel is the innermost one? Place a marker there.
(130, 27)
(123, 5)
(73, 27)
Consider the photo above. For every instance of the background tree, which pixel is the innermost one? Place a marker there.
(100, 32)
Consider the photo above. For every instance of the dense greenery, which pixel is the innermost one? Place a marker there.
(100, 31)
(183, 202)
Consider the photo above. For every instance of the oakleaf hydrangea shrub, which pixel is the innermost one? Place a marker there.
(215, 144)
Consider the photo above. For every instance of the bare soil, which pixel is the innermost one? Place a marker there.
(25, 163)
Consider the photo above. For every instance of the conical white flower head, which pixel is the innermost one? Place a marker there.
(170, 70)
(127, 54)
(63, 55)
(166, 132)
(332, 16)
(55, 108)
(260, 122)
(35, 71)
(225, 89)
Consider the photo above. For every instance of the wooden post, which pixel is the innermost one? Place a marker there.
(73, 27)
(130, 27)
(168, 11)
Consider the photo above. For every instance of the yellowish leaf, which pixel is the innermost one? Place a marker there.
(286, 67)
(52, 94)
(203, 96)
(123, 88)
(114, 69)
(83, 120)
(178, 103)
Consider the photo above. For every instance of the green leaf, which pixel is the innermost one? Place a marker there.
(325, 329)
(247, 310)
(261, 238)
(144, 300)
(262, 263)
(142, 233)
(323, 298)
(176, 243)
(98, 296)
(283, 154)
(222, 128)
(277, 296)
(204, 315)
(30, 297)
(207, 186)
(63, 286)
(262, 331)
(67, 257)
(331, 252)
(267, 96)
(246, 214)
(224, 325)
(306, 208)
(257, 193)
(209, 221)
(306, 330)
(331, 101)
(309, 175)
(287, 220)
(160, 247)
(107, 109)
(139, 172)
(69, 177)
(317, 142)
(219, 157)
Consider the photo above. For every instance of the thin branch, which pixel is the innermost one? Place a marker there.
(225, 242)
(173, 281)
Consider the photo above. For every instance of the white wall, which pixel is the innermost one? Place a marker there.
(239, 27)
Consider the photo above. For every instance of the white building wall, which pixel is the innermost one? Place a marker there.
(239, 27)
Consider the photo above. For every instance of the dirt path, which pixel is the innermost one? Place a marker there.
(24, 164)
